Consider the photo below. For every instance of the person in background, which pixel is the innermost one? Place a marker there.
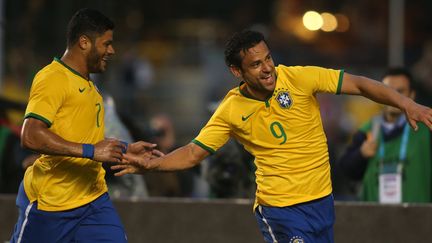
(274, 113)
(393, 162)
(185, 183)
(230, 172)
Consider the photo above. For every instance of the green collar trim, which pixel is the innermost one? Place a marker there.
(267, 103)
(70, 69)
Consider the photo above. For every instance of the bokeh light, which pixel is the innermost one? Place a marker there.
(343, 23)
(312, 20)
(329, 22)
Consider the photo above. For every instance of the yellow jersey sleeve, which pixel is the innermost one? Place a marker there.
(46, 96)
(217, 130)
(313, 79)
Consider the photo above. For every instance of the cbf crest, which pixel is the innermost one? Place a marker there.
(296, 239)
(284, 99)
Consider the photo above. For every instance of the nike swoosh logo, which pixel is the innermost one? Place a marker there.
(244, 118)
(81, 90)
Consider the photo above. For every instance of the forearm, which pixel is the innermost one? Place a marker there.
(181, 158)
(36, 136)
(44, 141)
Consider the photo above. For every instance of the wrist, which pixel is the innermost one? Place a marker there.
(88, 150)
(125, 146)
(406, 102)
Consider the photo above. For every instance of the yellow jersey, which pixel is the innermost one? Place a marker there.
(284, 134)
(72, 107)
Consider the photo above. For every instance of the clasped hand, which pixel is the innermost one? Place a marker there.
(138, 159)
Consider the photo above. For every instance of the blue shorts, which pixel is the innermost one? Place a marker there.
(97, 221)
(306, 222)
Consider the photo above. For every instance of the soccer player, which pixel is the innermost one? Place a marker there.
(274, 113)
(63, 196)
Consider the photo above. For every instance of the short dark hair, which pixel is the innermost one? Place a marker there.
(394, 71)
(241, 41)
(89, 22)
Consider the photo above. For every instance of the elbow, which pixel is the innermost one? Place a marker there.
(196, 154)
(33, 135)
(28, 142)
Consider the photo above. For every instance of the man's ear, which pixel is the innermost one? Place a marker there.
(84, 42)
(235, 71)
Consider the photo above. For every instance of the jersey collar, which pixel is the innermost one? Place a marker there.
(247, 95)
(70, 69)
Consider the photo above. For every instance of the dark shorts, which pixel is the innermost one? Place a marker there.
(97, 221)
(302, 223)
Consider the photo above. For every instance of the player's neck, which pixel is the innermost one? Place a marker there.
(76, 62)
(255, 94)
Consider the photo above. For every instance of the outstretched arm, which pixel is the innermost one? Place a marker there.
(380, 93)
(181, 158)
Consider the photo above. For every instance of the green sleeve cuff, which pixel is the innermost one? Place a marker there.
(208, 149)
(36, 116)
(339, 87)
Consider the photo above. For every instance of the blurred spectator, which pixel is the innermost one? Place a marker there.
(137, 71)
(136, 75)
(393, 161)
(169, 184)
(230, 172)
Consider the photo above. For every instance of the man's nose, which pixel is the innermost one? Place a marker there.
(266, 67)
(111, 50)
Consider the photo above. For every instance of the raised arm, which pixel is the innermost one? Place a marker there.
(36, 136)
(181, 158)
(378, 92)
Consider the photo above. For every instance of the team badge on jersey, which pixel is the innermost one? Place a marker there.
(284, 99)
(296, 239)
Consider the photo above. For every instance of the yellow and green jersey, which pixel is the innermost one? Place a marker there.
(284, 133)
(72, 107)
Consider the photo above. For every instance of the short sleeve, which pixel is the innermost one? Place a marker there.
(217, 130)
(47, 95)
(320, 80)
